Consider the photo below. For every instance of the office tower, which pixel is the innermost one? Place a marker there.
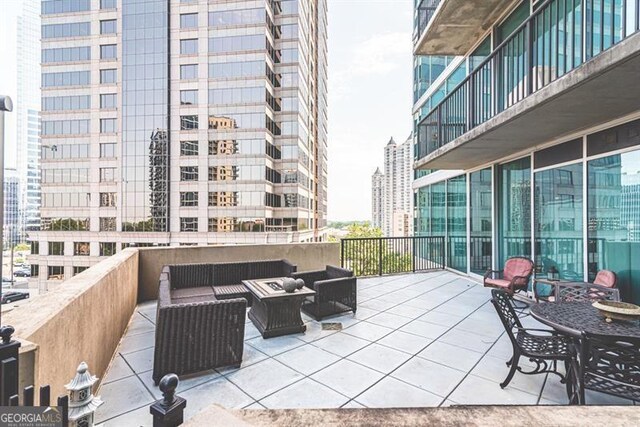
(11, 233)
(527, 142)
(377, 199)
(171, 122)
(397, 188)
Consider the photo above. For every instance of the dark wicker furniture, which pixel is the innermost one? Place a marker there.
(513, 278)
(545, 348)
(275, 312)
(336, 291)
(611, 365)
(195, 331)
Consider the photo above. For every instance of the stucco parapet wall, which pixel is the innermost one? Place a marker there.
(599, 90)
(80, 319)
(479, 416)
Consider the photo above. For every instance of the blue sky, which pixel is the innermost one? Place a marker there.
(370, 86)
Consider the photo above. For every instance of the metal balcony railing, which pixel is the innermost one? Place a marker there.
(558, 37)
(424, 12)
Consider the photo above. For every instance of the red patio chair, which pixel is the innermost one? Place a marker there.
(513, 278)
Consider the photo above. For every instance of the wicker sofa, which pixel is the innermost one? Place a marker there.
(335, 291)
(202, 312)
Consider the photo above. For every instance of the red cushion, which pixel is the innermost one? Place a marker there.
(517, 267)
(606, 278)
(497, 283)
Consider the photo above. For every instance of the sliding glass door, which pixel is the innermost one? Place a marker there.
(480, 221)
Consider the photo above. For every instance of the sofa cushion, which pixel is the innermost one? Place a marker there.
(230, 290)
(497, 283)
(196, 291)
(194, 299)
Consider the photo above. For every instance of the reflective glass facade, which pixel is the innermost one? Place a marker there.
(145, 129)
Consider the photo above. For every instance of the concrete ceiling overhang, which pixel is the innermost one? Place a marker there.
(603, 89)
(457, 25)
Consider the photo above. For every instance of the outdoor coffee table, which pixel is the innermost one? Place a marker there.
(276, 312)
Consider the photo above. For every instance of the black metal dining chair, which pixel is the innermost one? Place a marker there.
(578, 291)
(543, 347)
(611, 365)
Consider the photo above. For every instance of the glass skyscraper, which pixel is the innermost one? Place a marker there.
(180, 122)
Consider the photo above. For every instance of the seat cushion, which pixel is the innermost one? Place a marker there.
(196, 291)
(497, 283)
(517, 267)
(194, 299)
(605, 278)
(230, 290)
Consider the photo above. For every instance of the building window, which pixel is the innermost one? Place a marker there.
(107, 150)
(188, 20)
(66, 54)
(35, 248)
(188, 148)
(188, 122)
(189, 46)
(108, 100)
(107, 200)
(78, 270)
(108, 4)
(188, 71)
(108, 51)
(188, 97)
(73, 29)
(107, 224)
(107, 248)
(66, 78)
(189, 224)
(65, 6)
(108, 75)
(35, 270)
(56, 272)
(107, 174)
(81, 248)
(188, 173)
(108, 125)
(108, 26)
(188, 198)
(65, 127)
(56, 248)
(66, 103)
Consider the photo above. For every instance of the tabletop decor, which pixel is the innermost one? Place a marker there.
(617, 310)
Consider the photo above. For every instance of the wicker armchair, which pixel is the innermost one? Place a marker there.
(610, 365)
(513, 278)
(335, 291)
(543, 347)
(194, 330)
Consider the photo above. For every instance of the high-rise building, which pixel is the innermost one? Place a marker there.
(27, 111)
(377, 199)
(170, 122)
(11, 232)
(527, 143)
(397, 187)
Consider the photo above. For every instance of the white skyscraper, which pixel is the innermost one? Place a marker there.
(397, 188)
(27, 110)
(377, 199)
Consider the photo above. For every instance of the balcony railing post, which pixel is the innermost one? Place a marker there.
(471, 107)
(413, 253)
(8, 365)
(529, 71)
(342, 263)
(379, 257)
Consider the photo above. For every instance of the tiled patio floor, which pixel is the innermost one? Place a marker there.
(425, 339)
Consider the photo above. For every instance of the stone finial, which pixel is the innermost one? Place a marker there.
(6, 332)
(168, 385)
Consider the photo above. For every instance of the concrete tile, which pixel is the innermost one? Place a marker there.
(389, 320)
(439, 318)
(407, 311)
(138, 418)
(403, 341)
(352, 404)
(304, 394)
(376, 304)
(363, 313)
(263, 378)
(451, 356)
(382, 359)
(347, 377)
(341, 344)
(430, 376)
(392, 393)
(250, 331)
(496, 370)
(277, 345)
(491, 329)
(249, 356)
(255, 405)
(131, 343)
(139, 325)
(347, 319)
(424, 329)
(367, 331)
(118, 369)
(479, 391)
(307, 359)
(122, 396)
(140, 361)
(186, 381)
(315, 332)
(467, 340)
(219, 391)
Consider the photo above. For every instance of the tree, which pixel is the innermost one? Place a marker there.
(360, 230)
